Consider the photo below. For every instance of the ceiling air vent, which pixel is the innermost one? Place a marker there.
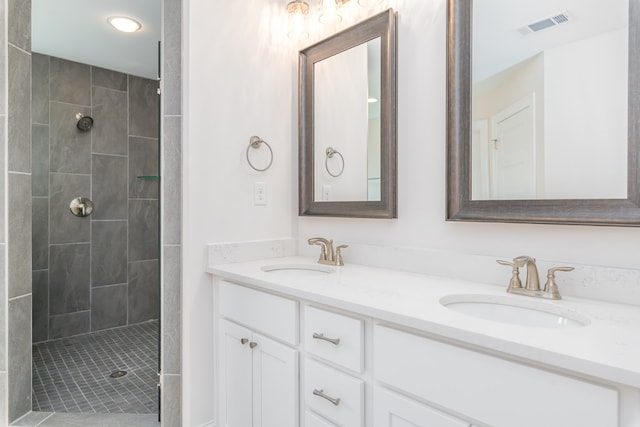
(543, 24)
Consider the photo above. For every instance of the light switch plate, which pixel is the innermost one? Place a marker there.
(260, 194)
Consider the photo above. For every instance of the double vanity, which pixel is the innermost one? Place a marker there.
(309, 344)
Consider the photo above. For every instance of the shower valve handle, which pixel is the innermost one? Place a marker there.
(81, 207)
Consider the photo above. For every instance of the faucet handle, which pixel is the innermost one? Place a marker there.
(554, 269)
(550, 286)
(339, 260)
(514, 282)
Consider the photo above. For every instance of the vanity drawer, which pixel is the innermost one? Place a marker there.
(272, 315)
(335, 385)
(338, 339)
(312, 420)
(498, 392)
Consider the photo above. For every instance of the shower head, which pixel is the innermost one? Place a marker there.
(84, 122)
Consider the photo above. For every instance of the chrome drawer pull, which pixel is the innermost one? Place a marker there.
(244, 341)
(253, 344)
(335, 401)
(334, 341)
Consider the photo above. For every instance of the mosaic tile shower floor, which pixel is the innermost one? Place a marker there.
(74, 374)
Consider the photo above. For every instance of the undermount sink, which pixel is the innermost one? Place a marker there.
(509, 310)
(298, 269)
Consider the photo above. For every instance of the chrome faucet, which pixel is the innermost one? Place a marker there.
(532, 281)
(327, 254)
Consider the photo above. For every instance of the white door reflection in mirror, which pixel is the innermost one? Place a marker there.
(513, 152)
(481, 180)
(346, 112)
(573, 56)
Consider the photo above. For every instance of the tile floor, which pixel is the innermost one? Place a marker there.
(50, 419)
(74, 374)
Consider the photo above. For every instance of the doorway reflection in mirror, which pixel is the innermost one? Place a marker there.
(549, 101)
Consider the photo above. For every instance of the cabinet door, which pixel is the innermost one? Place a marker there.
(235, 375)
(393, 410)
(275, 384)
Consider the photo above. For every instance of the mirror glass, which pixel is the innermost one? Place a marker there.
(549, 99)
(348, 122)
(571, 93)
(347, 125)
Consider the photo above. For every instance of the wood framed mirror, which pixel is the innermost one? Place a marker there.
(473, 181)
(347, 122)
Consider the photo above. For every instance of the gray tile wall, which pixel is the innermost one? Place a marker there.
(101, 271)
(19, 217)
(19, 121)
(3, 349)
(16, 85)
(19, 357)
(171, 208)
(4, 416)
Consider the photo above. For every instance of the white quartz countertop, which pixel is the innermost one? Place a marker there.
(607, 348)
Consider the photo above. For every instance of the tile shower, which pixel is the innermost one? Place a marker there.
(100, 271)
(15, 179)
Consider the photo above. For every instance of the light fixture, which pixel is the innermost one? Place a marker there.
(372, 100)
(297, 11)
(124, 24)
(330, 11)
(367, 3)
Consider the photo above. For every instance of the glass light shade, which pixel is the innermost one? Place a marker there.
(124, 24)
(367, 3)
(297, 11)
(330, 11)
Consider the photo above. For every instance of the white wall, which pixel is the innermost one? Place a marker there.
(237, 84)
(586, 123)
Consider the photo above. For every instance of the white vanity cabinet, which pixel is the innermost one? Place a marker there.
(394, 410)
(258, 376)
(385, 373)
(495, 391)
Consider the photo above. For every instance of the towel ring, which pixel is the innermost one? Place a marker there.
(255, 142)
(330, 152)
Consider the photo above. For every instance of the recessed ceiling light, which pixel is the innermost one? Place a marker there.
(124, 24)
(372, 100)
